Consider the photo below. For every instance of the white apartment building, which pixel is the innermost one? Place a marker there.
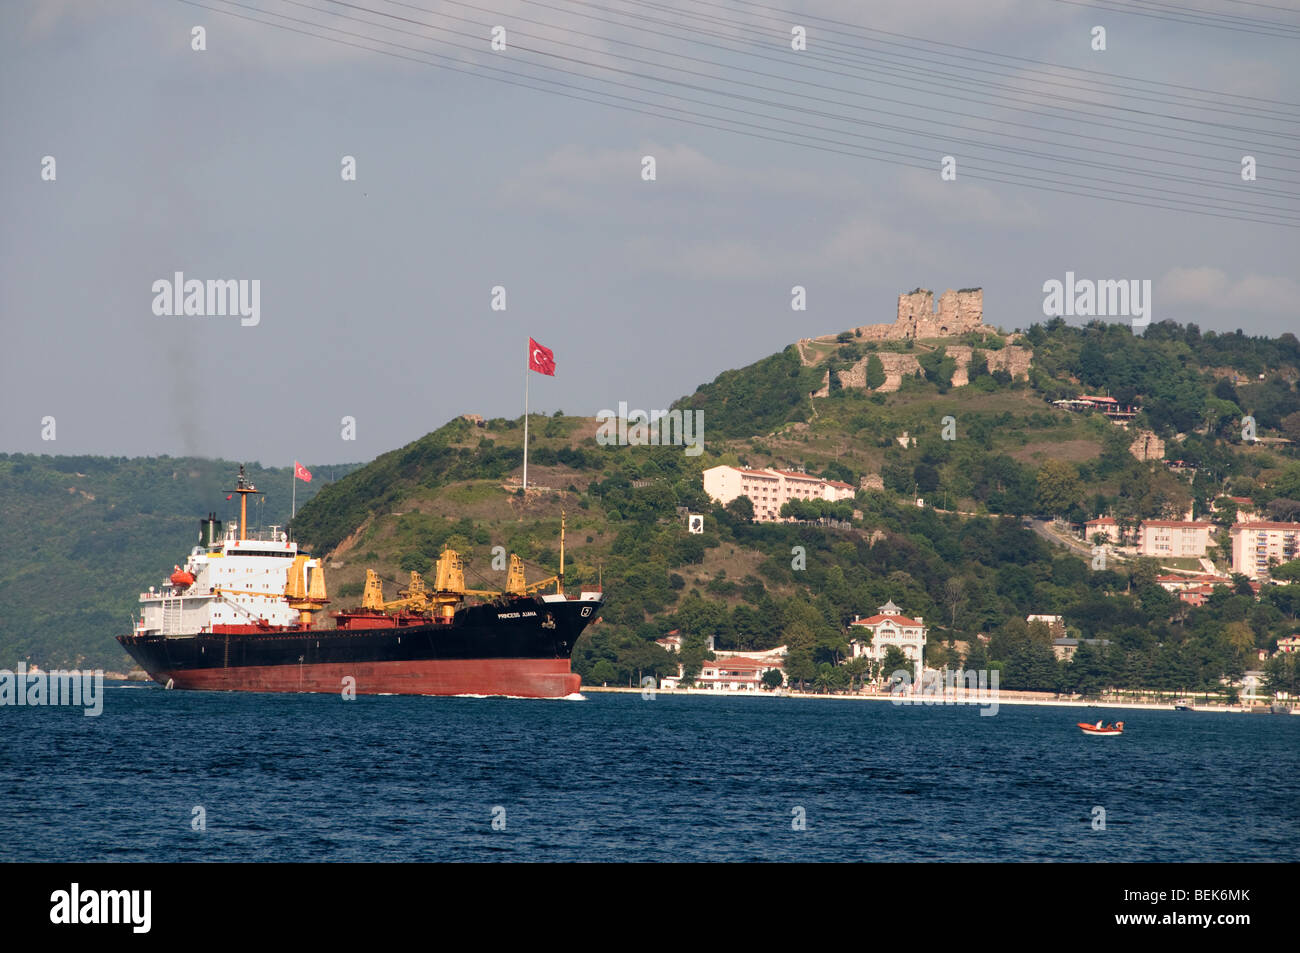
(768, 490)
(1174, 538)
(1254, 544)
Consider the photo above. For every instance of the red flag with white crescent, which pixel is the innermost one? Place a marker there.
(540, 359)
(301, 472)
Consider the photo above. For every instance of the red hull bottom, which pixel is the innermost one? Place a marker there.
(528, 678)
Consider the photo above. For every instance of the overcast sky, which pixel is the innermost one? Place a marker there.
(375, 294)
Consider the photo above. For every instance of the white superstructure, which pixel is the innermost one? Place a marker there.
(236, 579)
(239, 582)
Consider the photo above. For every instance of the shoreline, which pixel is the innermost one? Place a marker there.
(937, 701)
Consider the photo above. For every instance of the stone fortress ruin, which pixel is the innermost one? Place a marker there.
(918, 320)
(959, 312)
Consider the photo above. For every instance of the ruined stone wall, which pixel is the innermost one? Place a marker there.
(855, 376)
(958, 312)
(961, 356)
(896, 367)
(1014, 360)
(1147, 446)
(913, 308)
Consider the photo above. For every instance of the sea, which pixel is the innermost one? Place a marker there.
(215, 776)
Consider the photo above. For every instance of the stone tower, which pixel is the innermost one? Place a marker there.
(959, 312)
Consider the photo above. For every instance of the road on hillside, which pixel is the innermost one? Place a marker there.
(1041, 528)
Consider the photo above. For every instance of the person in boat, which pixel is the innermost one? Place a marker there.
(1098, 726)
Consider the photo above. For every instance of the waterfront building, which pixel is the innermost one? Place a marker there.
(888, 627)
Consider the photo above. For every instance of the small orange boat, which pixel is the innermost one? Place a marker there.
(1099, 729)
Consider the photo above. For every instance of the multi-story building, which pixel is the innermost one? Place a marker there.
(1174, 538)
(889, 627)
(769, 490)
(1254, 544)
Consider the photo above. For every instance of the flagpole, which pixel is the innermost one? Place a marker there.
(530, 357)
(294, 506)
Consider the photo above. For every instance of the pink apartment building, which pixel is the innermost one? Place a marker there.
(1255, 544)
(768, 490)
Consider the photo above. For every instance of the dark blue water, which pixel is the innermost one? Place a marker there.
(616, 777)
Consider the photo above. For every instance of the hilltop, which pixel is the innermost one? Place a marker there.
(992, 447)
(1013, 454)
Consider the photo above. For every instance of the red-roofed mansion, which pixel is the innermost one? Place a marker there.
(889, 627)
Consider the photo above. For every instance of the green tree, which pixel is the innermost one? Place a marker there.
(824, 681)
(799, 641)
(1286, 572)
(857, 669)
(938, 367)
(694, 653)
(896, 661)
(876, 372)
(773, 679)
(742, 508)
(1058, 487)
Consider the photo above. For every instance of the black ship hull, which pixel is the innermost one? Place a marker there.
(517, 647)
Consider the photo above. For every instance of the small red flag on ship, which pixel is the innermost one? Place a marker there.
(301, 472)
(540, 359)
(230, 496)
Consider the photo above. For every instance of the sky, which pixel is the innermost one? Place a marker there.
(773, 168)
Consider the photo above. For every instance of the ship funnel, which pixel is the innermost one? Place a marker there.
(210, 532)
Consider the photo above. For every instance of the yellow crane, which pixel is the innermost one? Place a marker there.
(304, 595)
(449, 585)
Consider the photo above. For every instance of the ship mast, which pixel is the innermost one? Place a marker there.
(559, 580)
(243, 488)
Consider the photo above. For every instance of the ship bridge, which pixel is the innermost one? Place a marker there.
(233, 581)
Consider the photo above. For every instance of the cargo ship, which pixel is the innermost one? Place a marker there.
(240, 615)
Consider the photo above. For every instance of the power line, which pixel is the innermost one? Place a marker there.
(1147, 127)
(1269, 209)
(1195, 18)
(1008, 56)
(1164, 158)
(945, 137)
(756, 130)
(763, 52)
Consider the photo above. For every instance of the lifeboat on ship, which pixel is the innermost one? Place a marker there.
(181, 578)
(1100, 729)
